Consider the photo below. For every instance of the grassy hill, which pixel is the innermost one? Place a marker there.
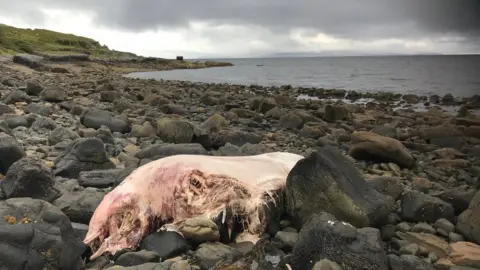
(37, 41)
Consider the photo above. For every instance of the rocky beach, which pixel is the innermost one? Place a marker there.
(382, 186)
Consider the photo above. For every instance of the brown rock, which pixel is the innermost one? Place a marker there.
(443, 264)
(473, 131)
(430, 242)
(200, 230)
(465, 254)
(448, 153)
(451, 163)
(371, 146)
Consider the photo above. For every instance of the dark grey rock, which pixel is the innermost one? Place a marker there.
(137, 258)
(391, 186)
(323, 237)
(417, 206)
(80, 230)
(82, 155)
(235, 137)
(327, 181)
(99, 178)
(291, 121)
(208, 254)
(17, 121)
(34, 88)
(28, 177)
(423, 228)
(5, 128)
(459, 197)
(95, 118)
(445, 225)
(10, 152)
(468, 223)
(38, 109)
(167, 244)
(408, 262)
(175, 130)
(286, 240)
(455, 237)
(53, 95)
(326, 265)
(335, 113)
(164, 150)
(43, 124)
(80, 205)
(263, 255)
(17, 96)
(5, 109)
(105, 134)
(109, 96)
(31, 61)
(61, 134)
(146, 266)
(229, 150)
(262, 104)
(37, 235)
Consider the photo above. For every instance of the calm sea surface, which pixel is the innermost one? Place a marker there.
(423, 75)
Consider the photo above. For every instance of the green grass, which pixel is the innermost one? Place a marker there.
(37, 41)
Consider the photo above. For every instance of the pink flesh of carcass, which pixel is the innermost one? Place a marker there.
(175, 188)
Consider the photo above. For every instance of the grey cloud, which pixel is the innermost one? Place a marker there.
(361, 20)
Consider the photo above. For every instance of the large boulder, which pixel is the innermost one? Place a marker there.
(468, 223)
(10, 152)
(371, 146)
(82, 155)
(327, 181)
(323, 237)
(96, 118)
(37, 235)
(29, 178)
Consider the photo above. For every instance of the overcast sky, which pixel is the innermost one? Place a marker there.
(232, 28)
